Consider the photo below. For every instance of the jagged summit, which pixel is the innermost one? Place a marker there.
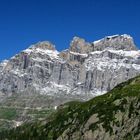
(43, 49)
(117, 42)
(42, 46)
(126, 36)
(46, 45)
(79, 45)
(123, 36)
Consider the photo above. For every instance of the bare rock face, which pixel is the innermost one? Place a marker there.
(45, 45)
(83, 71)
(79, 45)
(117, 42)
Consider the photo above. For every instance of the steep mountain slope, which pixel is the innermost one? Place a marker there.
(113, 116)
(40, 78)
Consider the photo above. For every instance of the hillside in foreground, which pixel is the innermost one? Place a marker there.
(112, 116)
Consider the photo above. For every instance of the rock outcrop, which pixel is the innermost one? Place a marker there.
(117, 42)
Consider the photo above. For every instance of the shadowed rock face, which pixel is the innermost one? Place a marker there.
(83, 71)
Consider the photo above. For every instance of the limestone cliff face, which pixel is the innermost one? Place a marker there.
(83, 71)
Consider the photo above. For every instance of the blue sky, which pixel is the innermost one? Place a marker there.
(25, 22)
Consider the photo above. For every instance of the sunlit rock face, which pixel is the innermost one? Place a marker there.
(81, 72)
(117, 42)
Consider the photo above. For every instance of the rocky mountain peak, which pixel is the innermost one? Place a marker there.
(124, 36)
(117, 42)
(79, 45)
(46, 45)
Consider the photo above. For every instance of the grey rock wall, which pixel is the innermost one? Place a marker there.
(83, 71)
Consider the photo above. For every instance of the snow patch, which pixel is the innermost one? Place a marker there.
(97, 41)
(52, 88)
(4, 63)
(19, 72)
(135, 66)
(103, 63)
(55, 107)
(81, 54)
(126, 53)
(97, 92)
(17, 123)
(133, 54)
(113, 36)
(126, 36)
(53, 54)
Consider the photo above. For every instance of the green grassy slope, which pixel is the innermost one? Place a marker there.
(116, 115)
(20, 108)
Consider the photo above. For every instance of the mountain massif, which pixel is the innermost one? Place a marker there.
(37, 80)
(83, 71)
